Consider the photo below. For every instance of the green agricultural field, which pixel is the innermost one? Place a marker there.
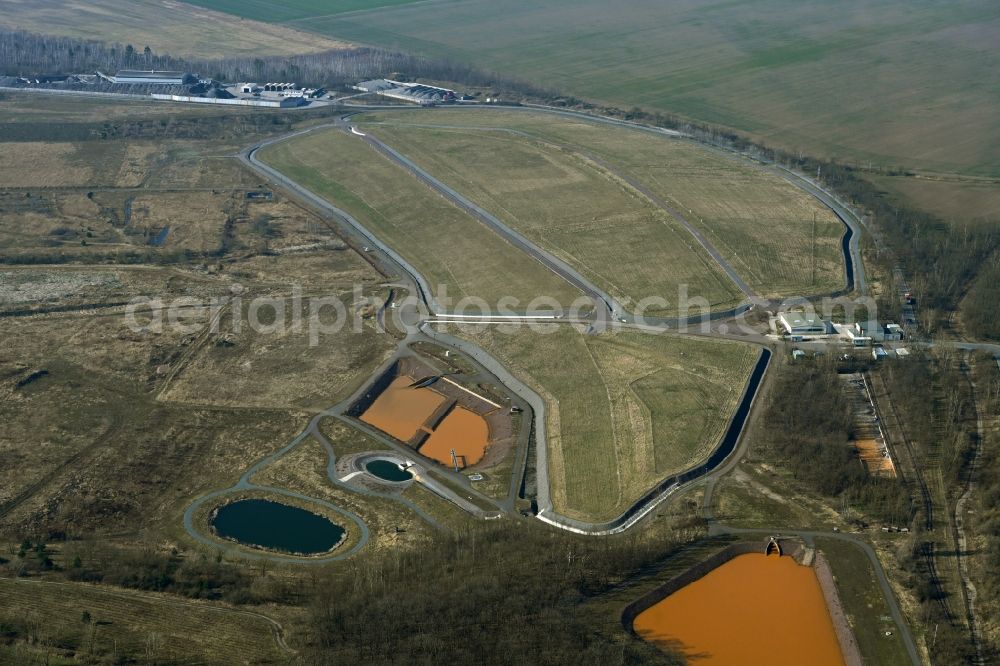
(571, 207)
(289, 10)
(762, 224)
(624, 410)
(451, 249)
(954, 201)
(898, 82)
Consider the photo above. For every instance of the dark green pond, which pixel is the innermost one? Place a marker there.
(276, 526)
(388, 470)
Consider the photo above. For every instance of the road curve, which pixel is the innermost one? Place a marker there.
(249, 157)
(854, 267)
(522, 390)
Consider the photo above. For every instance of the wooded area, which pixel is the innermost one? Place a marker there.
(496, 593)
(26, 54)
(808, 424)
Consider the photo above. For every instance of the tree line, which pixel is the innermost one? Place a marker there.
(937, 412)
(24, 53)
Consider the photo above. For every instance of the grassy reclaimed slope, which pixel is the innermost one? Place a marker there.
(169, 630)
(866, 608)
(451, 249)
(625, 409)
(762, 224)
(570, 207)
(903, 81)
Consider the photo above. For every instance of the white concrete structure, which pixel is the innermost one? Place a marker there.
(151, 77)
(284, 103)
(802, 323)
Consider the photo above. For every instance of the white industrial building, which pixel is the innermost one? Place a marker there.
(282, 103)
(802, 323)
(150, 77)
(410, 92)
(864, 333)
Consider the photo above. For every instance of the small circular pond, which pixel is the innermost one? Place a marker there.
(388, 471)
(275, 526)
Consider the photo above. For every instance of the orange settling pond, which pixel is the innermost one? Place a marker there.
(402, 412)
(754, 609)
(462, 430)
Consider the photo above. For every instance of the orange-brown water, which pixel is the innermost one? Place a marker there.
(401, 410)
(754, 609)
(462, 430)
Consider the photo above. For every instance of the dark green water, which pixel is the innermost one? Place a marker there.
(267, 524)
(388, 470)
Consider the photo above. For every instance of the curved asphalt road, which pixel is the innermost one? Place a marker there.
(249, 157)
(801, 181)
(553, 263)
(526, 392)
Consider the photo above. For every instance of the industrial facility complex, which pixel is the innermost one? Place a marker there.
(176, 86)
(408, 92)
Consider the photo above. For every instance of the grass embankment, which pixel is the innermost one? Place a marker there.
(863, 603)
(575, 210)
(624, 410)
(451, 249)
(759, 222)
(102, 623)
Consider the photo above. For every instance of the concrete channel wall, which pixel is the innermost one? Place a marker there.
(659, 493)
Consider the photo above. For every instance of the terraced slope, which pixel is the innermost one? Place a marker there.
(780, 240)
(459, 256)
(575, 209)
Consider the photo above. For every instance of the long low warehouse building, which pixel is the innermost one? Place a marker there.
(284, 103)
(411, 92)
(150, 77)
